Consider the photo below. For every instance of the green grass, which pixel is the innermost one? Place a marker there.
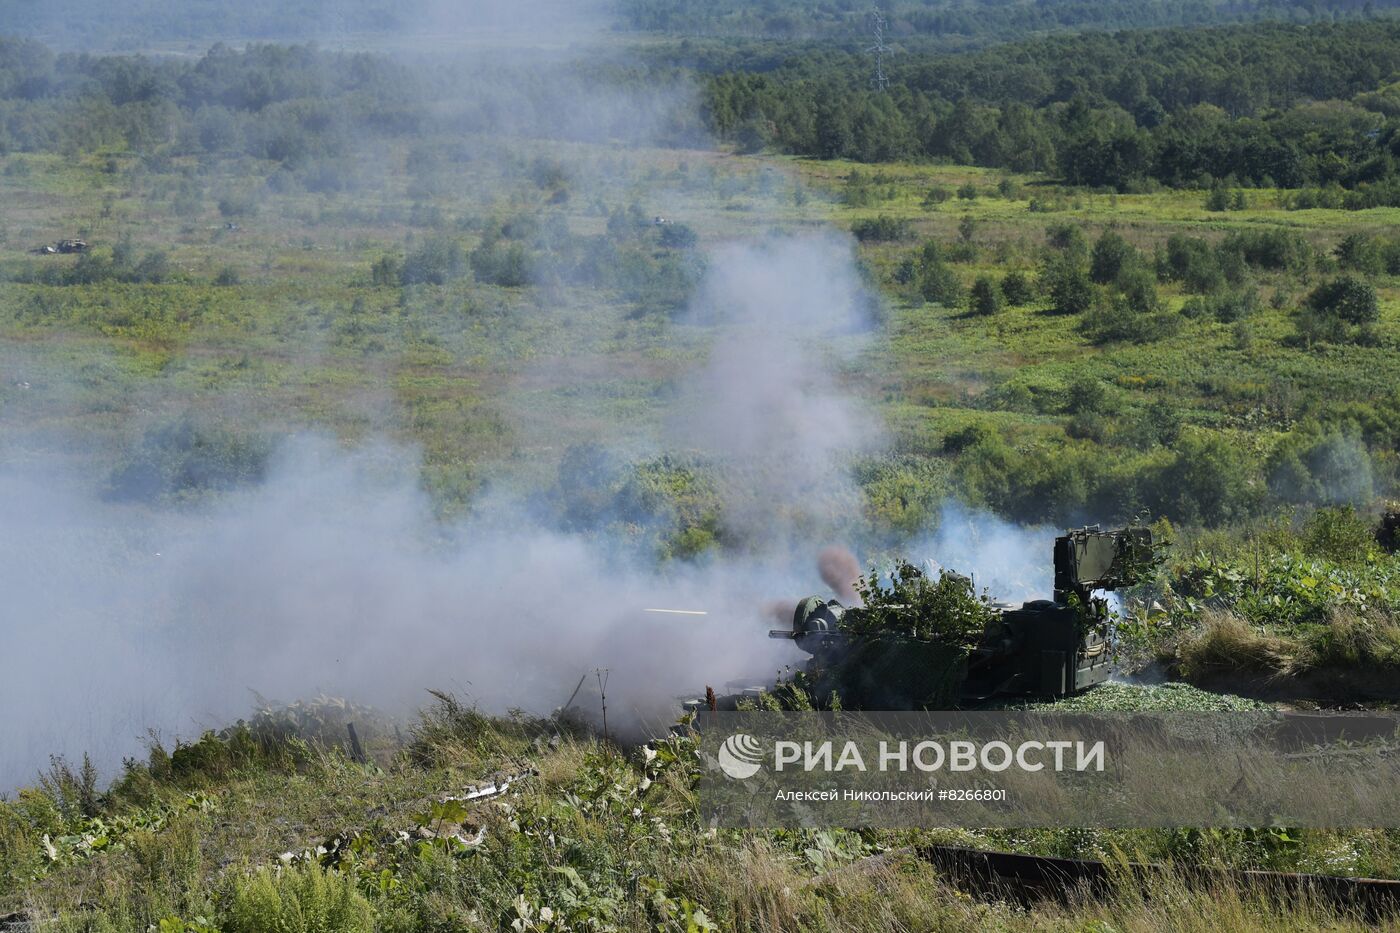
(597, 837)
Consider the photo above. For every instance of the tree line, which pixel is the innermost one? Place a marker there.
(1267, 105)
(958, 21)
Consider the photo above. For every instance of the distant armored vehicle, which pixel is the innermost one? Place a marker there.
(70, 245)
(1044, 648)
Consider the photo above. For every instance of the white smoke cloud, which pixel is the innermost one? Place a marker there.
(333, 575)
(770, 402)
(1013, 563)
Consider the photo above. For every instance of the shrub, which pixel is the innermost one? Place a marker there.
(1138, 288)
(185, 459)
(300, 899)
(984, 299)
(936, 196)
(1347, 298)
(1066, 238)
(238, 205)
(1227, 307)
(1071, 291)
(902, 495)
(882, 229)
(1218, 199)
(1388, 530)
(1016, 287)
(1269, 249)
(1191, 262)
(1361, 252)
(1157, 425)
(1208, 482)
(1331, 467)
(937, 280)
(1111, 256)
(678, 236)
(1350, 639)
(500, 262)
(1087, 394)
(437, 259)
(1115, 319)
(386, 270)
(961, 439)
(1338, 534)
(945, 609)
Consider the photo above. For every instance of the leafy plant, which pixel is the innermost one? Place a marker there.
(913, 604)
(301, 899)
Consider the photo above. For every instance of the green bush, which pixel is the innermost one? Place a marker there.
(1347, 299)
(1339, 534)
(679, 236)
(1017, 289)
(1111, 256)
(1226, 307)
(498, 262)
(436, 259)
(185, 460)
(882, 229)
(1280, 250)
(1071, 291)
(1192, 262)
(936, 195)
(299, 899)
(1363, 253)
(903, 495)
(915, 605)
(984, 299)
(1113, 319)
(1208, 482)
(1325, 466)
(938, 282)
(1138, 288)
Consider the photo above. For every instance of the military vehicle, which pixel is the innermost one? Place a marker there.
(1044, 648)
(70, 245)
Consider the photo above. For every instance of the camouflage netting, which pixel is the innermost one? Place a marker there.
(899, 673)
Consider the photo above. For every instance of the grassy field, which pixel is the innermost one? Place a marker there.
(244, 832)
(264, 317)
(478, 374)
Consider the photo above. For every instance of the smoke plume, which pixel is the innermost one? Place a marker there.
(333, 575)
(840, 570)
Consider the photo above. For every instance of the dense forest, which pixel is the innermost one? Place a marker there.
(971, 21)
(1314, 109)
(142, 24)
(1259, 105)
(301, 107)
(281, 103)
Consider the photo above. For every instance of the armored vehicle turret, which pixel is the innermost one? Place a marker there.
(1044, 648)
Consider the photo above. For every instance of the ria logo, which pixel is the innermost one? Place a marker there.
(740, 756)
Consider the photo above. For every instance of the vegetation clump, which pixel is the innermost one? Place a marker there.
(909, 603)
